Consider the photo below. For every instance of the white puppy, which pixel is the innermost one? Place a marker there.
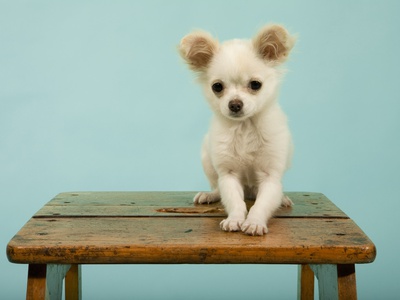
(248, 146)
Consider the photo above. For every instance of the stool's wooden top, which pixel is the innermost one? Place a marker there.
(167, 228)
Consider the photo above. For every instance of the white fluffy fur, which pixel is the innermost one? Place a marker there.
(245, 153)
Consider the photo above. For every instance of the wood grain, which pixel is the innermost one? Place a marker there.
(347, 282)
(73, 283)
(36, 287)
(187, 240)
(172, 204)
(166, 227)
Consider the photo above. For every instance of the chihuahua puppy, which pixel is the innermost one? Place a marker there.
(248, 146)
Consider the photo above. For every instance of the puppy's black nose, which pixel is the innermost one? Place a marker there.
(235, 105)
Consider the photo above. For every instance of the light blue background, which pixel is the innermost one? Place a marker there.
(93, 96)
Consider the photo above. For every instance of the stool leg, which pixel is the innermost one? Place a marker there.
(73, 283)
(45, 281)
(305, 286)
(54, 280)
(336, 282)
(36, 288)
(327, 281)
(347, 281)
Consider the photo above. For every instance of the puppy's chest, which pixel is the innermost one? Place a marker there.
(244, 145)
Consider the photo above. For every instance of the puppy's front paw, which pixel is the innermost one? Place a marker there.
(206, 198)
(286, 202)
(231, 224)
(254, 227)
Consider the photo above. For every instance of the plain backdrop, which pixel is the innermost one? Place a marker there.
(94, 97)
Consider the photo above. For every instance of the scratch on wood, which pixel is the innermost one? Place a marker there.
(191, 210)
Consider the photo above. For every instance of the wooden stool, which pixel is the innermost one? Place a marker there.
(167, 228)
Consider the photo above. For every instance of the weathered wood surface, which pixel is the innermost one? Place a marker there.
(187, 240)
(130, 227)
(172, 204)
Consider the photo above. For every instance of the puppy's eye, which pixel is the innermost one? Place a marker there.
(255, 85)
(217, 87)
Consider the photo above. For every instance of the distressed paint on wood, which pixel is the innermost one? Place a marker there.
(54, 280)
(336, 282)
(187, 240)
(166, 227)
(327, 281)
(172, 204)
(46, 281)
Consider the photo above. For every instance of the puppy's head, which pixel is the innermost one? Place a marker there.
(240, 77)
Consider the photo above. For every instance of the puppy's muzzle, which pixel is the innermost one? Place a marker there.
(235, 105)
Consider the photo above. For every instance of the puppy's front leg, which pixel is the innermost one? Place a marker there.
(232, 197)
(269, 198)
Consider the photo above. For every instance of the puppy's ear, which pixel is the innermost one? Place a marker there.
(197, 49)
(273, 43)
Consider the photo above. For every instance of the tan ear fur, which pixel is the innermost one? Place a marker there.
(197, 49)
(273, 43)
